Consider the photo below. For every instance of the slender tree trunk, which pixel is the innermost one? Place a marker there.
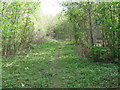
(119, 15)
(3, 38)
(103, 35)
(90, 23)
(118, 35)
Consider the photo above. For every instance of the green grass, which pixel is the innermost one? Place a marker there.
(54, 64)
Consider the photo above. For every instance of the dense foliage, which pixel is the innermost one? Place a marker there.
(68, 50)
(17, 27)
(95, 26)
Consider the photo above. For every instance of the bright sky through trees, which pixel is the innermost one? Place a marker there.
(51, 7)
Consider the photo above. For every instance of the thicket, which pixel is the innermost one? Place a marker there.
(96, 27)
(17, 26)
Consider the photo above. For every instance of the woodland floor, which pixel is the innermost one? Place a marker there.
(55, 65)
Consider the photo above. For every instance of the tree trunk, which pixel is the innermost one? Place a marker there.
(90, 23)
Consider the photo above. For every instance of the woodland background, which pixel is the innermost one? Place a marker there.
(92, 29)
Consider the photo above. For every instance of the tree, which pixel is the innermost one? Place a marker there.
(17, 27)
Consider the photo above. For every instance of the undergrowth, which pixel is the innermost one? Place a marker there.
(34, 70)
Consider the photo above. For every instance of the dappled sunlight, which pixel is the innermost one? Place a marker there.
(58, 64)
(60, 44)
(9, 64)
(39, 54)
(63, 57)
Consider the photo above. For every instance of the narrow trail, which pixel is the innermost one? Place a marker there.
(56, 82)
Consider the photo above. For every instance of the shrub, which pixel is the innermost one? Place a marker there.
(102, 54)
